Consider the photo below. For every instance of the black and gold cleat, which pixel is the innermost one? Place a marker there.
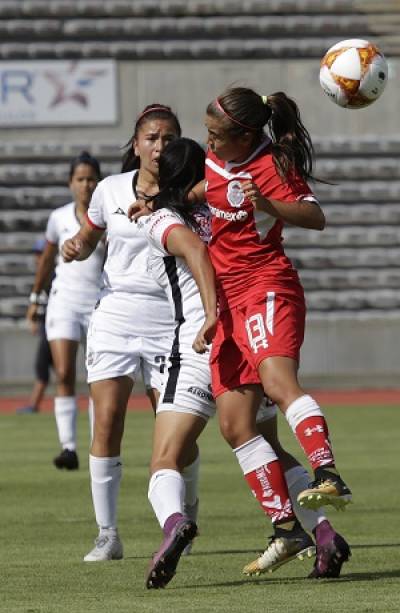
(327, 489)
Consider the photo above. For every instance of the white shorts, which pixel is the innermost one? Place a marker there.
(113, 352)
(187, 387)
(64, 321)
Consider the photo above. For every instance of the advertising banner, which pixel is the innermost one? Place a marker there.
(58, 93)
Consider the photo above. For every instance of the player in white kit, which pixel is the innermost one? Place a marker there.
(132, 324)
(72, 298)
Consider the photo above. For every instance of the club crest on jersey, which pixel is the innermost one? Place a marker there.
(234, 194)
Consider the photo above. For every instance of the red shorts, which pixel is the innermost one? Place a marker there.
(270, 325)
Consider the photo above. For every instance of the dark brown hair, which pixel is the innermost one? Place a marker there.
(181, 167)
(130, 161)
(84, 158)
(246, 111)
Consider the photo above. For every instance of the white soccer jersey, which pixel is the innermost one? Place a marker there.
(187, 386)
(129, 293)
(173, 274)
(76, 283)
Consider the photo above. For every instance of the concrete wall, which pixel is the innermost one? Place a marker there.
(351, 352)
(340, 352)
(189, 86)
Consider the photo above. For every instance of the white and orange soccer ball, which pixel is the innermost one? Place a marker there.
(353, 73)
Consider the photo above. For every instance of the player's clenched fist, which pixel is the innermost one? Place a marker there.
(71, 249)
(205, 335)
(252, 192)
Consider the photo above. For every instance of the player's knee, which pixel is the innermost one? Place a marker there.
(109, 427)
(282, 392)
(230, 431)
(65, 376)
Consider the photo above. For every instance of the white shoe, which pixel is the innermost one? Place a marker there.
(108, 546)
(191, 512)
(280, 551)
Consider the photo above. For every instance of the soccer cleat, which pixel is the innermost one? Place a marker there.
(163, 565)
(282, 549)
(67, 459)
(328, 488)
(26, 410)
(108, 546)
(330, 558)
(191, 512)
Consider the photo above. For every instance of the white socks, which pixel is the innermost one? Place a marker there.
(298, 479)
(105, 475)
(169, 490)
(190, 476)
(300, 409)
(65, 411)
(253, 454)
(166, 494)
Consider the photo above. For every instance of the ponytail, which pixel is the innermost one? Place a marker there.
(292, 148)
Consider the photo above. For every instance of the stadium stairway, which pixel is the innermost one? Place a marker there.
(199, 29)
(351, 266)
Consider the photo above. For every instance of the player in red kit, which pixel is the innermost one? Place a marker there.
(254, 184)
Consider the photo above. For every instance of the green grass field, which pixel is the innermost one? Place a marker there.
(47, 526)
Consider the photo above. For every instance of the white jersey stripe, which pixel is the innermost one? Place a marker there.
(224, 173)
(270, 312)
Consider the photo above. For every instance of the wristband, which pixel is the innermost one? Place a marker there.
(38, 298)
(34, 298)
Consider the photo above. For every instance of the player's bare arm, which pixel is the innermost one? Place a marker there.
(198, 193)
(183, 242)
(43, 273)
(303, 213)
(82, 245)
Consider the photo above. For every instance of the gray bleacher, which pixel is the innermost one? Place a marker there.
(349, 267)
(190, 29)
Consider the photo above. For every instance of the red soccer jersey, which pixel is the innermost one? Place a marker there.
(246, 246)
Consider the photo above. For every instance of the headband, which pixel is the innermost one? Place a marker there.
(156, 107)
(239, 123)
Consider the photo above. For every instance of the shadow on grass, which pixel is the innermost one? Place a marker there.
(241, 582)
(196, 554)
(368, 576)
(350, 578)
(223, 552)
(375, 545)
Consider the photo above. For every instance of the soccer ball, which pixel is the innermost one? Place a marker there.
(353, 73)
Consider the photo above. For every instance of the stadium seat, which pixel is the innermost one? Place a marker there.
(15, 286)
(19, 221)
(17, 241)
(16, 264)
(13, 308)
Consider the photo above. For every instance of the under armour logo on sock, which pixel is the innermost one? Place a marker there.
(310, 431)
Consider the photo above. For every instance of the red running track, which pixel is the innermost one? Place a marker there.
(8, 404)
